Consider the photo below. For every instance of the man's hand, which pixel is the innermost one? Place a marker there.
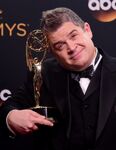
(26, 121)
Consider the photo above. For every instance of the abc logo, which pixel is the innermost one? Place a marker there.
(103, 10)
(105, 5)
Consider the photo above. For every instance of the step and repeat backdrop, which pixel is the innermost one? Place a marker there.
(19, 17)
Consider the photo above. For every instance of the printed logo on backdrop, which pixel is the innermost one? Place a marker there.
(103, 10)
(8, 29)
(12, 29)
(4, 95)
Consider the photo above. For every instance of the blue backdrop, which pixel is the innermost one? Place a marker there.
(18, 18)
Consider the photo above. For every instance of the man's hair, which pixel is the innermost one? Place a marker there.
(54, 18)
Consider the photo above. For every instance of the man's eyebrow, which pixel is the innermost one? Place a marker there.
(74, 30)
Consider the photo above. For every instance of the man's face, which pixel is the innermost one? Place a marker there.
(72, 45)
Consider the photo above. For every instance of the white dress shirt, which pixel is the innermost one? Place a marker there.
(84, 82)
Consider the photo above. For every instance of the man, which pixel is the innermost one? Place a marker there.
(86, 103)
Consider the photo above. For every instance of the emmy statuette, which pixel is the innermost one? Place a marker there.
(36, 49)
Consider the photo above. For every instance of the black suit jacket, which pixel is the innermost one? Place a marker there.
(55, 92)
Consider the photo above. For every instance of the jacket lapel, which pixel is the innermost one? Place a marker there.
(60, 90)
(107, 94)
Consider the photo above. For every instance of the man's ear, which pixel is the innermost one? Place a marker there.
(87, 29)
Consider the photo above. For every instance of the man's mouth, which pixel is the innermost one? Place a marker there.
(76, 55)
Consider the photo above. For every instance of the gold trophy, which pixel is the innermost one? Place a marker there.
(36, 49)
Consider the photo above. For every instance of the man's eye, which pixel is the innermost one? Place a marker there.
(74, 36)
(59, 46)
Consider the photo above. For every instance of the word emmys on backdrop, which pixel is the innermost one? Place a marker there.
(12, 29)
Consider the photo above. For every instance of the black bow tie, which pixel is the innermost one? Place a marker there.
(87, 73)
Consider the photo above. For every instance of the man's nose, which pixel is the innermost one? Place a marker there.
(71, 46)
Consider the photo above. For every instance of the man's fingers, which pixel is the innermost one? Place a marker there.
(43, 121)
